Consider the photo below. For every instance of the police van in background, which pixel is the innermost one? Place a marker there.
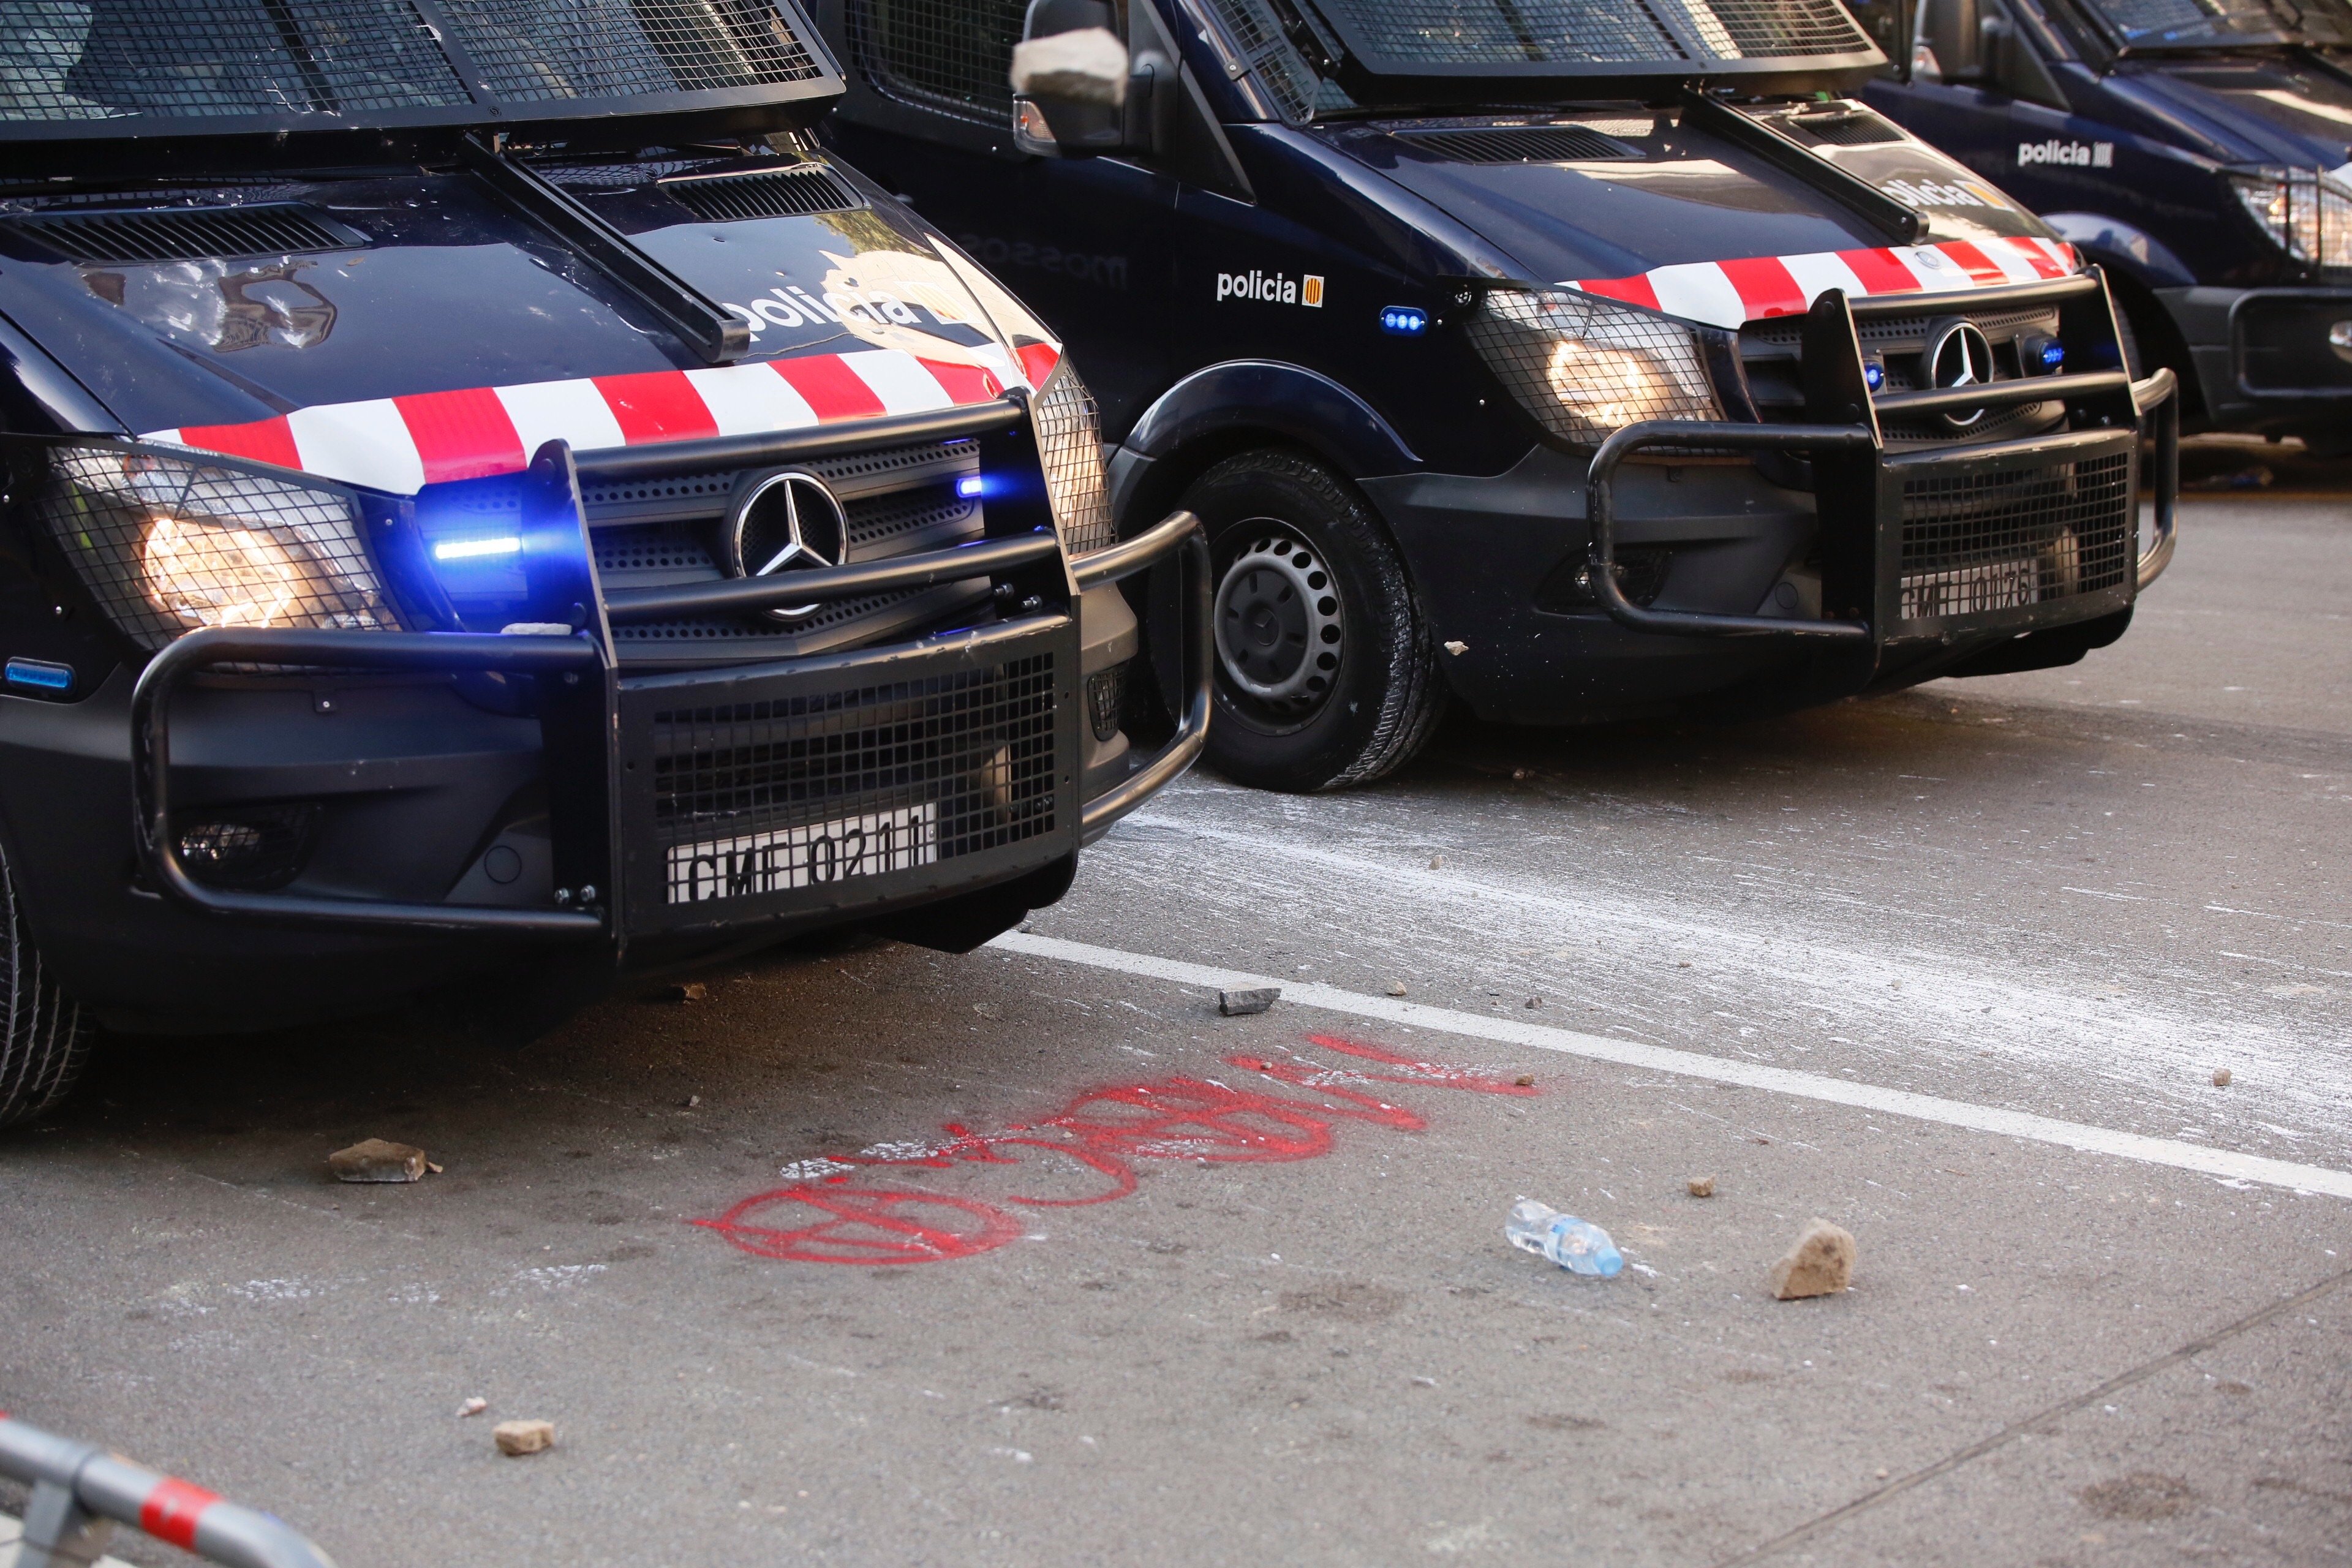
(2198, 151)
(488, 497)
(1572, 358)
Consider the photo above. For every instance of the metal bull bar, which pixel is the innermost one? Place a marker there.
(80, 1493)
(1860, 489)
(577, 676)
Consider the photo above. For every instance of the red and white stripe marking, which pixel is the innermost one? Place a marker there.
(403, 444)
(1731, 293)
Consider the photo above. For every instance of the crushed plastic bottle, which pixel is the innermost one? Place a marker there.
(1577, 1245)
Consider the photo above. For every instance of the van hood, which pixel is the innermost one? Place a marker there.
(351, 361)
(1663, 194)
(2263, 110)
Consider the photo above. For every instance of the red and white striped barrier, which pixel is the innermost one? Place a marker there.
(1732, 293)
(403, 444)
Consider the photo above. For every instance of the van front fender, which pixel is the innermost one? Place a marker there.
(1267, 397)
(2112, 243)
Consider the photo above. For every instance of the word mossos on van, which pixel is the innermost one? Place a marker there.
(2075, 154)
(1271, 288)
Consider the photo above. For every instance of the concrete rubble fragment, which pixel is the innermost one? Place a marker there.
(474, 1406)
(1525, 1080)
(1820, 1264)
(1239, 1004)
(1701, 1186)
(691, 991)
(516, 1439)
(2221, 1078)
(1457, 649)
(1396, 987)
(374, 1159)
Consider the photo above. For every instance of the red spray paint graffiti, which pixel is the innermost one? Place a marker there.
(1096, 1140)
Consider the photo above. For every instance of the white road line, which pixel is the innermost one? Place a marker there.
(2222, 1162)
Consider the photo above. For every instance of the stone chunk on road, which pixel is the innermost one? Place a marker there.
(2221, 1078)
(516, 1439)
(474, 1406)
(1239, 1004)
(1821, 1264)
(1396, 987)
(1701, 1186)
(373, 1160)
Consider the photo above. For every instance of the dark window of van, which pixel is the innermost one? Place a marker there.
(950, 55)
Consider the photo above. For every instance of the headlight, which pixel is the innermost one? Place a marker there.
(1069, 444)
(1585, 367)
(167, 545)
(2307, 215)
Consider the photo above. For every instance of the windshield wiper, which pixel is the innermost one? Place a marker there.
(709, 328)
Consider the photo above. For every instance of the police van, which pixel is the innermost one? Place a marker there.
(2198, 151)
(486, 494)
(1572, 358)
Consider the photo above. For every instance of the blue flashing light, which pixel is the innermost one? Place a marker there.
(477, 549)
(1874, 374)
(40, 674)
(972, 486)
(2052, 356)
(1404, 321)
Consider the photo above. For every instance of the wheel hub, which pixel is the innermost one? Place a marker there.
(1277, 620)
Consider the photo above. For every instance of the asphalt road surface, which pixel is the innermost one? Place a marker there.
(882, 1256)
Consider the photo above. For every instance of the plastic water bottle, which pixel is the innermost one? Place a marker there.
(1577, 1245)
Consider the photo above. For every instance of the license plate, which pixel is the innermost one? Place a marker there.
(1972, 590)
(787, 858)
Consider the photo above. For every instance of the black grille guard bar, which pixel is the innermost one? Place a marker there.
(580, 659)
(1180, 531)
(2156, 395)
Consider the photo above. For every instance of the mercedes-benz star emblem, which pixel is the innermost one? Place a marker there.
(1958, 355)
(788, 521)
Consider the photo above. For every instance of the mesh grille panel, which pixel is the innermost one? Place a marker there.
(538, 51)
(1509, 32)
(102, 59)
(725, 198)
(1286, 78)
(204, 57)
(1069, 445)
(759, 797)
(166, 546)
(955, 55)
(1771, 28)
(1520, 144)
(2015, 536)
(122, 237)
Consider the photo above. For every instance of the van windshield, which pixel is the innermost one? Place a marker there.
(2161, 25)
(114, 67)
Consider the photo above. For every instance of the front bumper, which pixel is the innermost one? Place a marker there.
(1924, 550)
(694, 807)
(2262, 356)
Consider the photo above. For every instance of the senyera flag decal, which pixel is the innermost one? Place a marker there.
(1732, 293)
(403, 444)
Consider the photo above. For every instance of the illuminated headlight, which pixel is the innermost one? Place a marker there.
(2306, 214)
(1069, 445)
(1585, 367)
(167, 545)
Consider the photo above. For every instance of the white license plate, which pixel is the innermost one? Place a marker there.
(1972, 590)
(789, 857)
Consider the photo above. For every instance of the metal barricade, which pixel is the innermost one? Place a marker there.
(80, 1493)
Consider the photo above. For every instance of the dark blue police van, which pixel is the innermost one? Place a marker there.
(1572, 358)
(483, 493)
(2198, 151)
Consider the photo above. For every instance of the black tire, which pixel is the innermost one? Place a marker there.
(47, 1035)
(1326, 668)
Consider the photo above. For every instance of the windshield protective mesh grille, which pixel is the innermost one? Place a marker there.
(206, 57)
(69, 60)
(1555, 36)
(538, 51)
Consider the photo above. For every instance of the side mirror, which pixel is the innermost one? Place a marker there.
(1951, 33)
(1069, 80)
